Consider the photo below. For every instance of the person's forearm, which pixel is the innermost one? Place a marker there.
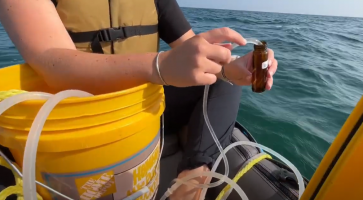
(43, 42)
(96, 73)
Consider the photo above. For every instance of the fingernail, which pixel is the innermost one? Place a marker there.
(245, 41)
(269, 63)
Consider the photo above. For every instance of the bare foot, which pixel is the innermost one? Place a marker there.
(186, 192)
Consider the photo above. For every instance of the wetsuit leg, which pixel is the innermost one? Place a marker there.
(180, 104)
(186, 106)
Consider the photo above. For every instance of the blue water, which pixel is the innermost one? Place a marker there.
(318, 82)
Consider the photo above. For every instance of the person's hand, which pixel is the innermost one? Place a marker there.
(239, 71)
(197, 60)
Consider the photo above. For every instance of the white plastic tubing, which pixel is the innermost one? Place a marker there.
(29, 185)
(224, 178)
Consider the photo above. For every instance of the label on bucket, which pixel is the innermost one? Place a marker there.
(113, 182)
(145, 174)
(96, 186)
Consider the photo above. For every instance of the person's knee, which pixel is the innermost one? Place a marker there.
(224, 90)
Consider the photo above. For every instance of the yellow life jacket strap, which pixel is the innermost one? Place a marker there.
(111, 34)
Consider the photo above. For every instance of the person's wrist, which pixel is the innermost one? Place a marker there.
(224, 73)
(157, 75)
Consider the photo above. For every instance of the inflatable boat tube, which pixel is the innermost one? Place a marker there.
(266, 180)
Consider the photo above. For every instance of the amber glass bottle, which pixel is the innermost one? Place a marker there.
(260, 67)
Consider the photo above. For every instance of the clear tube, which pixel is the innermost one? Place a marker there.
(223, 178)
(249, 41)
(223, 152)
(11, 101)
(214, 168)
(274, 153)
(206, 118)
(29, 187)
(184, 180)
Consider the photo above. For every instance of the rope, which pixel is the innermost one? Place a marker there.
(9, 93)
(254, 160)
(17, 188)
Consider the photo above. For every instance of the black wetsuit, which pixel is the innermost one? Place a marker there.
(184, 105)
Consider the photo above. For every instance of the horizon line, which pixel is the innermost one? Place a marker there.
(275, 12)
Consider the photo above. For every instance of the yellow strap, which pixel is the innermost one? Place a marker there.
(242, 172)
(18, 188)
(9, 93)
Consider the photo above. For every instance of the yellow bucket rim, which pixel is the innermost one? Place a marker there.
(95, 97)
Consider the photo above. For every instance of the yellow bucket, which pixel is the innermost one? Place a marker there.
(102, 146)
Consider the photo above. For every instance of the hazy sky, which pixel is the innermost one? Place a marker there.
(353, 8)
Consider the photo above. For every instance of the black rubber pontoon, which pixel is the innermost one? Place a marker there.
(267, 180)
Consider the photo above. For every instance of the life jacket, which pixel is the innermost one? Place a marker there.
(111, 27)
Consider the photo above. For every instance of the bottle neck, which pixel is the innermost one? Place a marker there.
(262, 47)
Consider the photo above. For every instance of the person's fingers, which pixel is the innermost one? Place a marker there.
(211, 67)
(206, 78)
(272, 69)
(246, 61)
(272, 62)
(243, 70)
(243, 81)
(249, 61)
(271, 54)
(223, 34)
(225, 45)
(269, 83)
(237, 72)
(218, 54)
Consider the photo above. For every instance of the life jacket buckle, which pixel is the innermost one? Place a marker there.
(111, 34)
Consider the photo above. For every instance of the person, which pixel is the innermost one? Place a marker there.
(101, 47)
